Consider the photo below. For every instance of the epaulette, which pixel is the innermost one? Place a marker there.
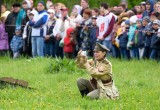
(106, 61)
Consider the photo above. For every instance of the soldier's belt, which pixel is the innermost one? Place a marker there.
(106, 81)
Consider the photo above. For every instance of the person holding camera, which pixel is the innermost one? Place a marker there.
(69, 43)
(101, 84)
(85, 32)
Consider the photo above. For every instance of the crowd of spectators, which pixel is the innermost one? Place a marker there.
(53, 30)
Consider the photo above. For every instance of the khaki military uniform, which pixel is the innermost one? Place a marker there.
(101, 84)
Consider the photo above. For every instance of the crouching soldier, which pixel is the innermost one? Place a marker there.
(101, 84)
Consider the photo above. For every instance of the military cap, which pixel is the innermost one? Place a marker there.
(100, 47)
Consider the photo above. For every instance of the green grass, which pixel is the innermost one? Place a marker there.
(137, 81)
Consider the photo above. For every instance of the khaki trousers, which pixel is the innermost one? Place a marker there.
(85, 84)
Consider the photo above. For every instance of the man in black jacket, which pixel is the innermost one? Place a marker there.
(11, 21)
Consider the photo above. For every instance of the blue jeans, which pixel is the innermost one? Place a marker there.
(108, 44)
(125, 53)
(49, 49)
(16, 54)
(116, 52)
(37, 46)
(58, 50)
(146, 53)
(154, 54)
(135, 52)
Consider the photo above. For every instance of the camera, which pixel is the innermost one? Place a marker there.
(65, 18)
(84, 53)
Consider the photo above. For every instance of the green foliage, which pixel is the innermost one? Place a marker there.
(93, 3)
(132, 3)
(137, 81)
(62, 65)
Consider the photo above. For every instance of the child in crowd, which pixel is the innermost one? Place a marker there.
(147, 34)
(123, 39)
(130, 44)
(139, 39)
(17, 43)
(69, 43)
(72, 19)
(154, 47)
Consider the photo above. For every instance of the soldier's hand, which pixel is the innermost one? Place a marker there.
(79, 53)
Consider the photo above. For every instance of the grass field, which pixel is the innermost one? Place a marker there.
(137, 81)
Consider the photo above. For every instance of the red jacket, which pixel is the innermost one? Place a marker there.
(68, 44)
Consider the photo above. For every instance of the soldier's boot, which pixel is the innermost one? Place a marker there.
(84, 92)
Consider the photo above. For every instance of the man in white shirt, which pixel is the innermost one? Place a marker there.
(59, 31)
(105, 23)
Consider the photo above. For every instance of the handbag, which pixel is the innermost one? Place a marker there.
(61, 43)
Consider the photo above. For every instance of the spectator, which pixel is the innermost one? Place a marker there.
(49, 3)
(139, 38)
(154, 39)
(143, 6)
(139, 12)
(84, 5)
(130, 44)
(58, 7)
(124, 2)
(27, 33)
(148, 34)
(123, 39)
(95, 12)
(157, 10)
(75, 17)
(39, 30)
(85, 34)
(49, 46)
(122, 7)
(31, 2)
(4, 12)
(149, 8)
(17, 43)
(10, 22)
(130, 13)
(3, 38)
(22, 14)
(106, 24)
(93, 34)
(69, 44)
(59, 31)
(77, 9)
